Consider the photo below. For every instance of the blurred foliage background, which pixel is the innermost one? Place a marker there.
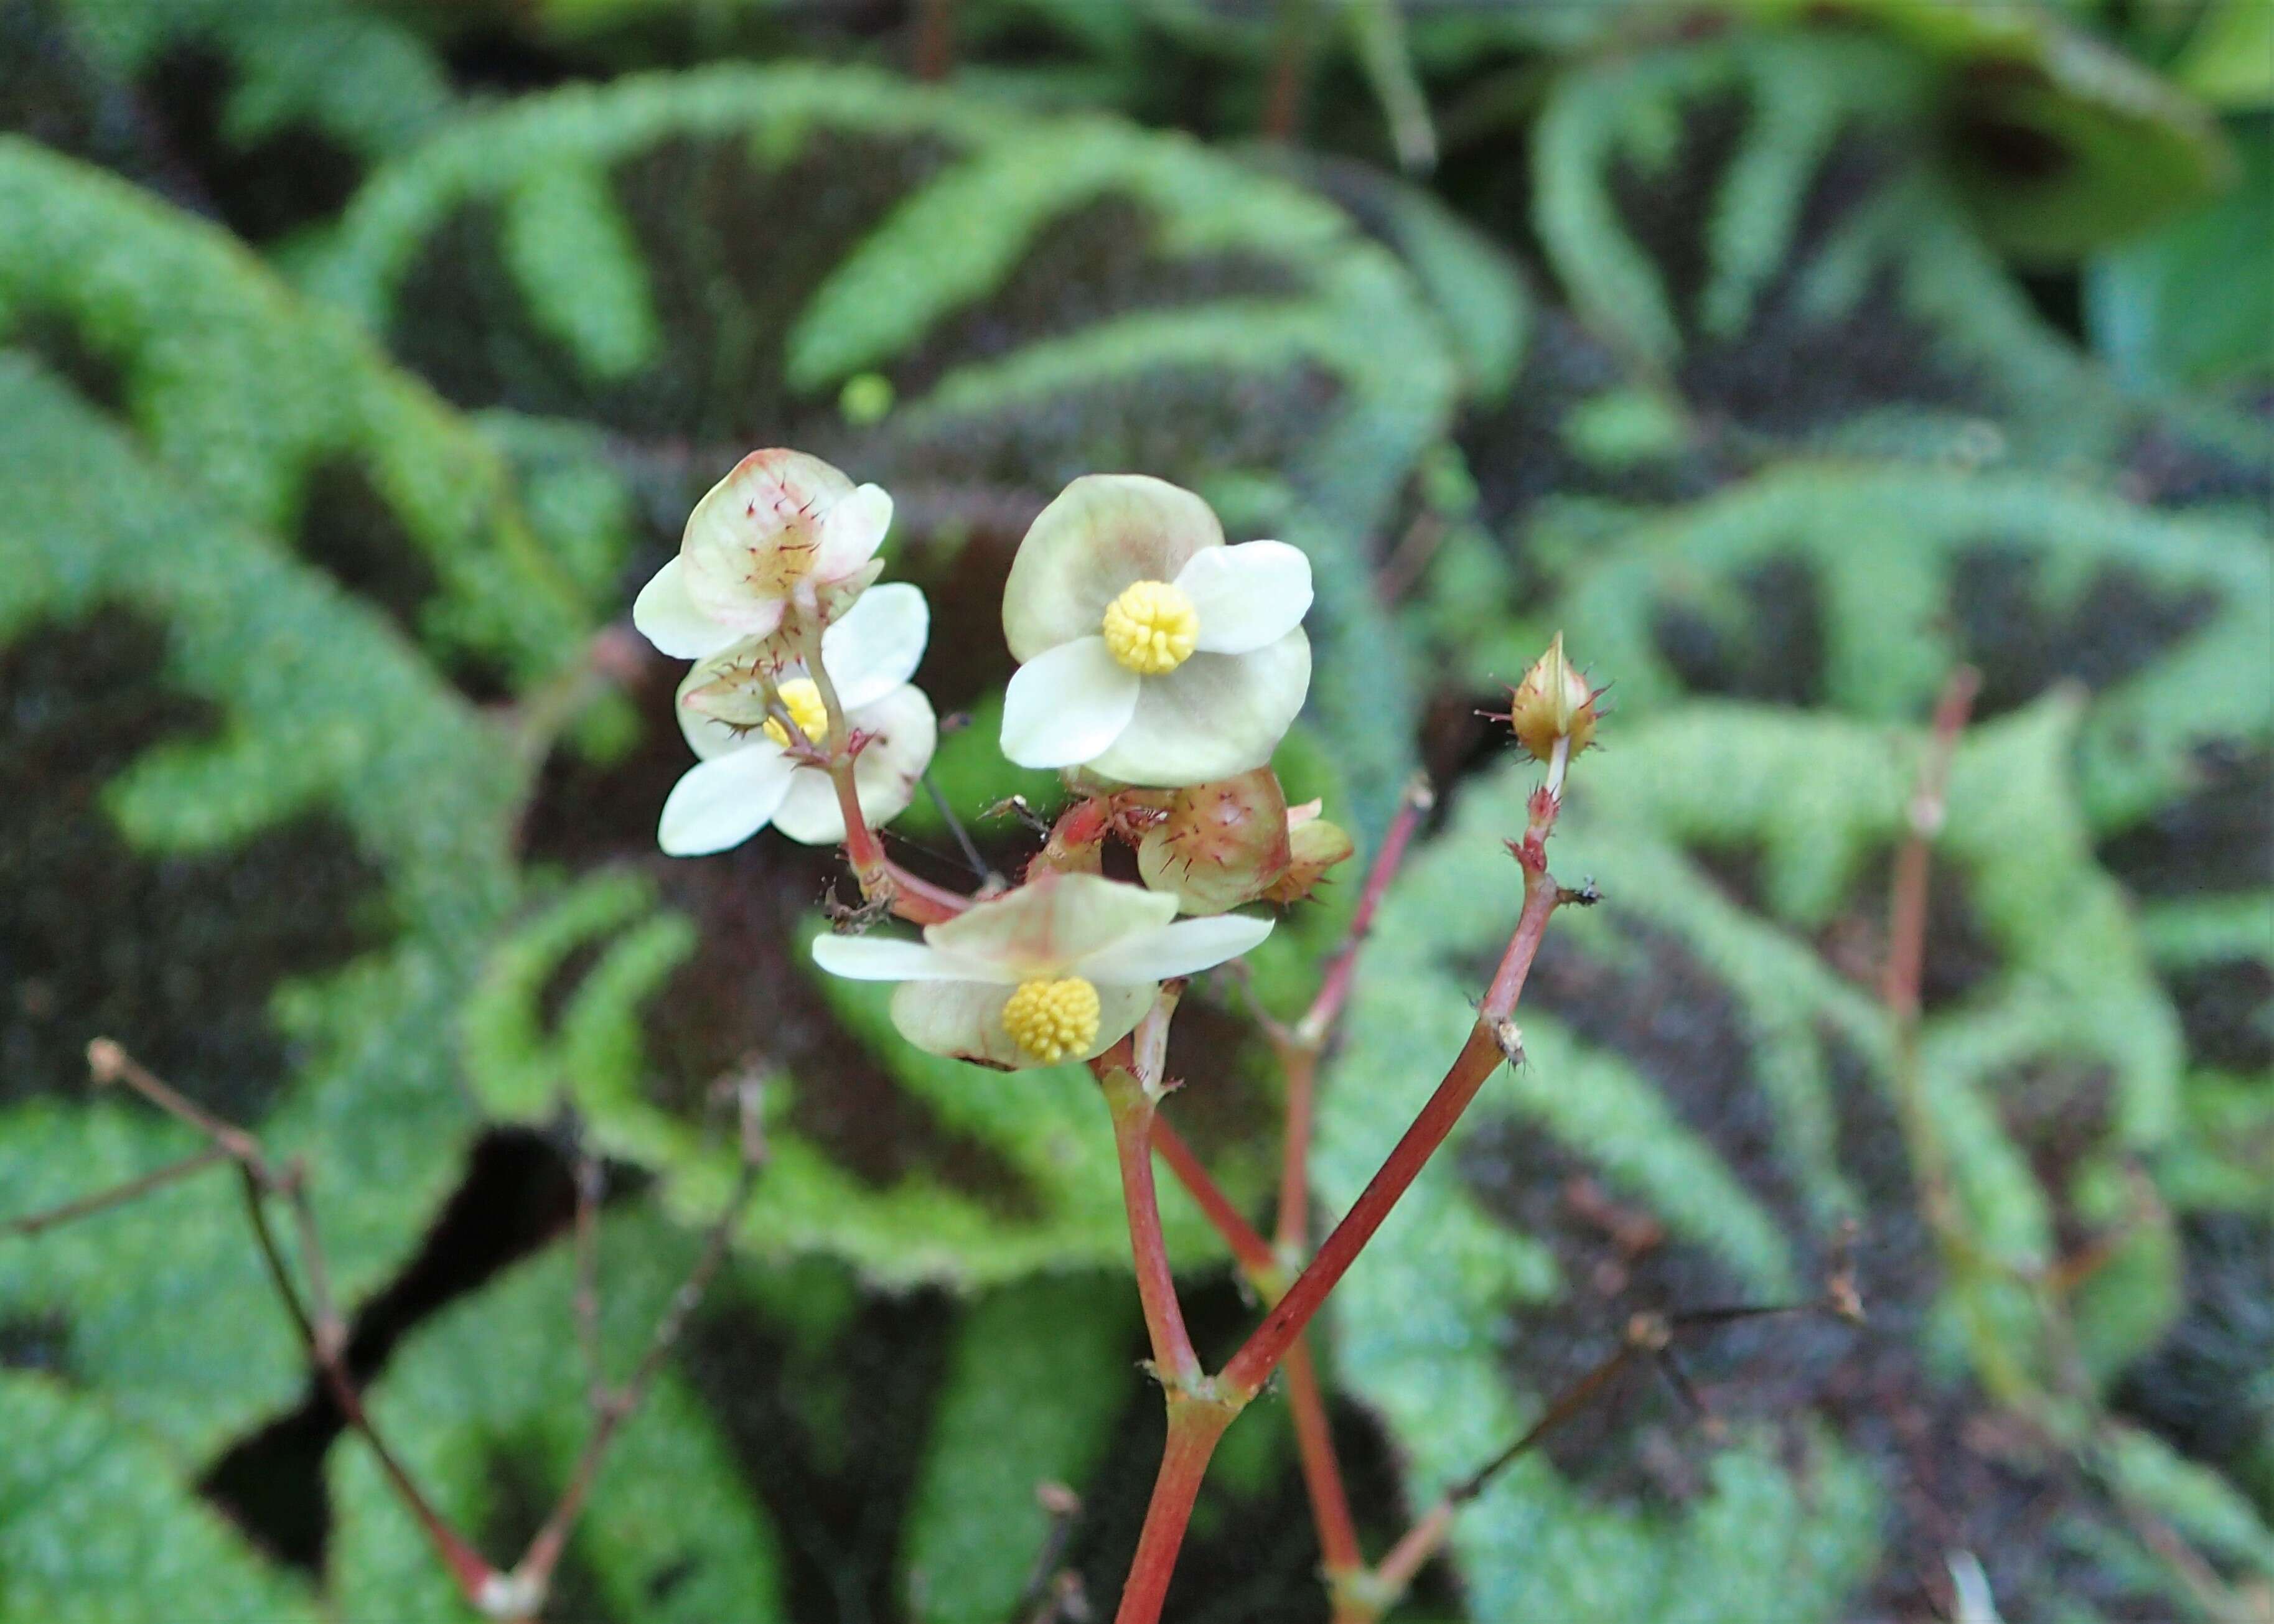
(357, 359)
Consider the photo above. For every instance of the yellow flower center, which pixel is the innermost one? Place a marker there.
(1151, 627)
(802, 700)
(1050, 1019)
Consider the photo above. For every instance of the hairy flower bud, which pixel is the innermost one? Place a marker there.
(1218, 844)
(1314, 846)
(1553, 704)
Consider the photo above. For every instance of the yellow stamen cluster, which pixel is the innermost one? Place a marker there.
(1151, 629)
(802, 700)
(1052, 1019)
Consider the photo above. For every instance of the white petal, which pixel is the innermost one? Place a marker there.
(1248, 594)
(959, 1018)
(723, 801)
(754, 536)
(1066, 706)
(667, 618)
(1102, 533)
(965, 1020)
(885, 959)
(732, 678)
(1050, 923)
(1214, 717)
(810, 815)
(903, 733)
(851, 531)
(1184, 948)
(878, 644)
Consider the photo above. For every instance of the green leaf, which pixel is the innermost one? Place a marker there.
(223, 742)
(486, 1407)
(96, 1524)
(1028, 299)
(2194, 303)
(1708, 1049)
(1760, 215)
(276, 412)
(1885, 579)
(1039, 1373)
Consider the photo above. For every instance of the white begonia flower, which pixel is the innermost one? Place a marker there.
(749, 777)
(1060, 969)
(783, 532)
(1149, 652)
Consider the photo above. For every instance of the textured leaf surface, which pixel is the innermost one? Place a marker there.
(324, 767)
(94, 1526)
(487, 1406)
(278, 413)
(969, 307)
(1706, 1047)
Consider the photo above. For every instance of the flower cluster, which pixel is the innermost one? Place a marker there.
(768, 595)
(1158, 668)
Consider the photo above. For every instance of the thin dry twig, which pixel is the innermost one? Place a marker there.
(1647, 1336)
(320, 1331)
(1045, 1598)
(117, 1195)
(591, 1188)
(533, 1574)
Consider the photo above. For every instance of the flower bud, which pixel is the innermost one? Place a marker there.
(1218, 844)
(1552, 703)
(1314, 846)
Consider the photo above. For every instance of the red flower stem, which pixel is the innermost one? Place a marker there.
(918, 901)
(1306, 1407)
(1300, 1062)
(1132, 1109)
(1319, 1020)
(1249, 1249)
(1491, 1040)
(1322, 1475)
(1194, 1426)
(1907, 911)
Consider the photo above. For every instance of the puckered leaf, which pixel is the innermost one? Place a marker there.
(486, 1407)
(253, 837)
(985, 306)
(94, 1524)
(281, 415)
(1707, 1059)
